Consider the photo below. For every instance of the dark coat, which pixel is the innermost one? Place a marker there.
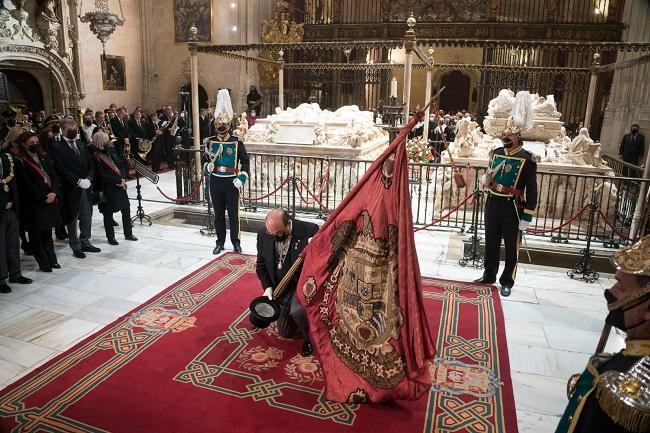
(12, 195)
(632, 148)
(205, 128)
(266, 264)
(35, 214)
(139, 131)
(115, 197)
(71, 167)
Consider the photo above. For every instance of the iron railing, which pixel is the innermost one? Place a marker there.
(622, 168)
(315, 186)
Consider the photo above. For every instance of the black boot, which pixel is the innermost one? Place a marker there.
(217, 249)
(236, 246)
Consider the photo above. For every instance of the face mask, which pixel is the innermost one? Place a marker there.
(616, 318)
(281, 238)
(88, 122)
(56, 129)
(634, 131)
(33, 148)
(71, 134)
(222, 129)
(507, 143)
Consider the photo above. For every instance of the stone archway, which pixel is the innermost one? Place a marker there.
(60, 91)
(474, 80)
(458, 94)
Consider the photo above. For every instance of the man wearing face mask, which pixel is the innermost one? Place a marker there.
(632, 147)
(228, 169)
(75, 167)
(610, 396)
(511, 184)
(86, 130)
(279, 244)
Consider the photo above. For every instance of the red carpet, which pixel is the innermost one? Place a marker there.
(188, 361)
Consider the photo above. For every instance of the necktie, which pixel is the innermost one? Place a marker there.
(74, 147)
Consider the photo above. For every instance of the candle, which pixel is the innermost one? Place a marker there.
(393, 88)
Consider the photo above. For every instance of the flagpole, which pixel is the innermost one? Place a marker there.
(409, 44)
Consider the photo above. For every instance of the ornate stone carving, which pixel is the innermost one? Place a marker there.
(31, 53)
(49, 24)
(22, 30)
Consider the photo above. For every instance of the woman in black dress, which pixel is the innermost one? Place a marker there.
(40, 194)
(112, 174)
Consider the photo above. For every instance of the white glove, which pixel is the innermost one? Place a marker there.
(237, 183)
(84, 183)
(523, 225)
(269, 293)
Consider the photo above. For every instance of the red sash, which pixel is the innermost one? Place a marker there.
(109, 163)
(39, 169)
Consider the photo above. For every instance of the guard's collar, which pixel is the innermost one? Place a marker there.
(637, 348)
(513, 150)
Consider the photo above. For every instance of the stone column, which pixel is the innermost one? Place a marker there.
(409, 44)
(281, 81)
(592, 90)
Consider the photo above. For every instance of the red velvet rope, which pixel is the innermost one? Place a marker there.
(324, 182)
(284, 182)
(573, 218)
(316, 200)
(609, 223)
(185, 198)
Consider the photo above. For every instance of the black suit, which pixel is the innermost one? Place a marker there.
(632, 148)
(115, 197)
(38, 216)
(205, 128)
(292, 318)
(139, 131)
(9, 221)
(168, 139)
(122, 132)
(72, 166)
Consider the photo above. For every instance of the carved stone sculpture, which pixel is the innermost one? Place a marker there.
(545, 108)
(465, 142)
(49, 25)
(320, 135)
(242, 127)
(501, 106)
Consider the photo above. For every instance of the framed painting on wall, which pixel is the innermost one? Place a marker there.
(113, 72)
(197, 12)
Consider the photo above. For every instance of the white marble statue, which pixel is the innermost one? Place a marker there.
(579, 147)
(242, 127)
(465, 141)
(544, 108)
(501, 106)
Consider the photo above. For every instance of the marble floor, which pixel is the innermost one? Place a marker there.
(553, 323)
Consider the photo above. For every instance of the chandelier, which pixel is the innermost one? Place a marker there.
(102, 21)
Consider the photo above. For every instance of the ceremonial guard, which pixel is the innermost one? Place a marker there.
(228, 169)
(511, 185)
(612, 395)
(9, 226)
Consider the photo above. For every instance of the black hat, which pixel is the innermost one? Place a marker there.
(53, 118)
